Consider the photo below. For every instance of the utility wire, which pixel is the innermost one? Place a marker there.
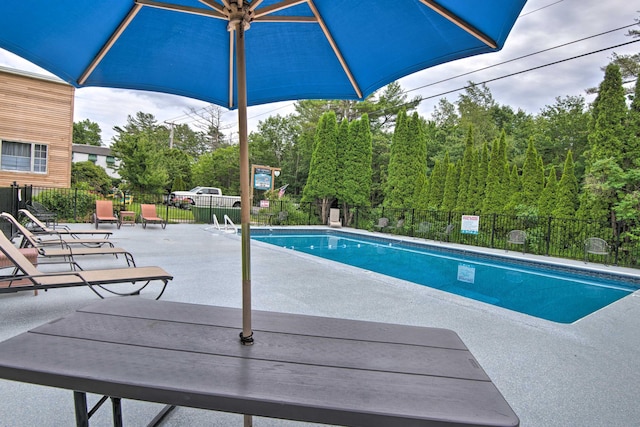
(531, 69)
(520, 57)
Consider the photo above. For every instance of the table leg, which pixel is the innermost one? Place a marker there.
(82, 414)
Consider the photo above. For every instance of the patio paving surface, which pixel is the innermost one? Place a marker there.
(580, 374)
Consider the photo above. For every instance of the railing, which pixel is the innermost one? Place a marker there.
(559, 237)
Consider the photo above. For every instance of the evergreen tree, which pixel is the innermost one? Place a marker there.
(398, 188)
(462, 203)
(450, 188)
(605, 150)
(344, 145)
(474, 186)
(532, 177)
(356, 186)
(547, 202)
(567, 191)
(321, 183)
(514, 193)
(494, 194)
(437, 182)
(481, 179)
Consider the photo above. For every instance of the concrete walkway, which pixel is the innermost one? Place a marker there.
(581, 374)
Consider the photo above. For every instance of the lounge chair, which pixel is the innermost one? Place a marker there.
(42, 213)
(443, 235)
(66, 252)
(38, 227)
(334, 218)
(105, 213)
(382, 224)
(149, 216)
(56, 239)
(596, 246)
(517, 237)
(30, 278)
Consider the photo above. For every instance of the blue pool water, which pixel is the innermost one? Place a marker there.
(559, 296)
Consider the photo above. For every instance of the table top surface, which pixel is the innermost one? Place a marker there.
(306, 368)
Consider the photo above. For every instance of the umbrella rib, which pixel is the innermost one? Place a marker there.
(275, 7)
(298, 19)
(215, 6)
(460, 23)
(105, 49)
(185, 9)
(335, 48)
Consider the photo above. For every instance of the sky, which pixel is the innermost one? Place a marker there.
(542, 25)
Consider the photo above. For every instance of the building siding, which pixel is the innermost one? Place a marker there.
(38, 109)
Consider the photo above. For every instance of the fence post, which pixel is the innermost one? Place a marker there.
(75, 204)
(548, 236)
(493, 230)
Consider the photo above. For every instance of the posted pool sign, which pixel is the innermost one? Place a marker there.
(470, 224)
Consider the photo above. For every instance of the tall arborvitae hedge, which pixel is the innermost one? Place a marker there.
(532, 177)
(321, 183)
(567, 191)
(407, 161)
(547, 202)
(450, 188)
(462, 203)
(437, 182)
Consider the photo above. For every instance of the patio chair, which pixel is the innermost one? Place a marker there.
(149, 216)
(281, 218)
(30, 278)
(105, 213)
(443, 235)
(55, 239)
(66, 252)
(382, 224)
(516, 237)
(423, 228)
(38, 227)
(334, 218)
(596, 246)
(42, 213)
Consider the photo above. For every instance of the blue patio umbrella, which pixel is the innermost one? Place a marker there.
(237, 53)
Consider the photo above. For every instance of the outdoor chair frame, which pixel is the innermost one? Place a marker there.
(596, 246)
(66, 252)
(149, 215)
(30, 278)
(38, 227)
(516, 237)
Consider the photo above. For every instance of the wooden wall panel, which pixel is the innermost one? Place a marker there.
(39, 110)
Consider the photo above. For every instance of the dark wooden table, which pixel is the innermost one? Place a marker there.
(305, 368)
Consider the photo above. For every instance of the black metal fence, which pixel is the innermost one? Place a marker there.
(558, 237)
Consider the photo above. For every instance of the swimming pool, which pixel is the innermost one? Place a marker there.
(562, 296)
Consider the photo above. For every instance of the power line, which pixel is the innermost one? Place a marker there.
(531, 69)
(520, 57)
(540, 8)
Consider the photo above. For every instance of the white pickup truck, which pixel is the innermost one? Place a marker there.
(203, 197)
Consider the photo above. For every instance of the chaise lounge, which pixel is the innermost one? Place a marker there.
(38, 227)
(66, 252)
(28, 277)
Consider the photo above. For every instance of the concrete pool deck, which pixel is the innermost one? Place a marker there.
(580, 374)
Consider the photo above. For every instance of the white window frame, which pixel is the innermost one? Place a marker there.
(37, 162)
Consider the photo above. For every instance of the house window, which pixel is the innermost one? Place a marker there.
(93, 158)
(23, 157)
(111, 160)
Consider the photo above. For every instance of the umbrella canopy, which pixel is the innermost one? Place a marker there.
(235, 53)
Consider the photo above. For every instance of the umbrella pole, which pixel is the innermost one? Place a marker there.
(246, 336)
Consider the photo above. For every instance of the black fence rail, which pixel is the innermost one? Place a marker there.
(558, 237)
